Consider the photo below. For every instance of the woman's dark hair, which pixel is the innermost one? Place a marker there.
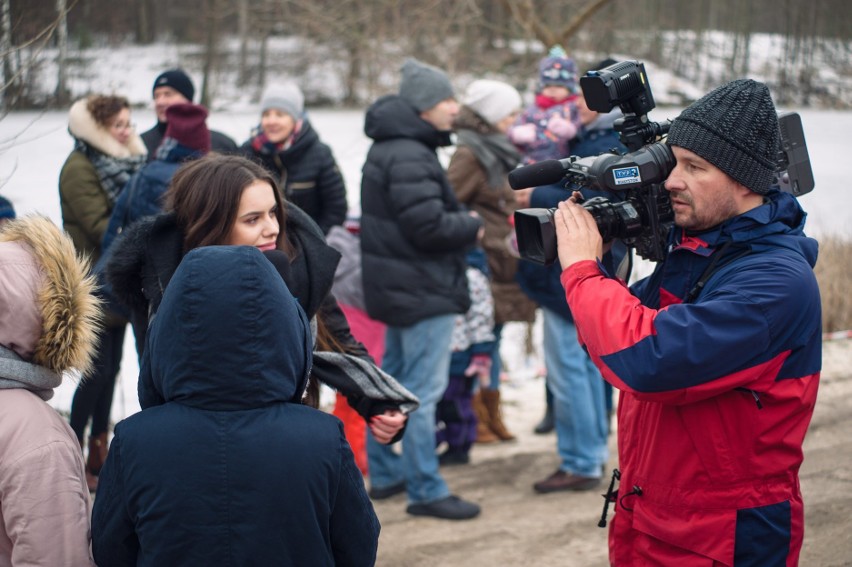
(104, 107)
(205, 197)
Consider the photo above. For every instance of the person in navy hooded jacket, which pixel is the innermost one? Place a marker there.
(232, 468)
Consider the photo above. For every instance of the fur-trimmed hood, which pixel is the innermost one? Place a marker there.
(68, 311)
(82, 125)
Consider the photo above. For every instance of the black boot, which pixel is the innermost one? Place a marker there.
(547, 424)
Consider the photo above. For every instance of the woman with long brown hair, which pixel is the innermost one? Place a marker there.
(229, 200)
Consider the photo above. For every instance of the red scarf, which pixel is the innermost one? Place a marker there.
(545, 102)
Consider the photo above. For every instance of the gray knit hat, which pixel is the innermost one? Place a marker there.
(734, 127)
(286, 97)
(423, 86)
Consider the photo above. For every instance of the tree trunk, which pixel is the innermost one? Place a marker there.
(62, 95)
(211, 37)
(6, 50)
(144, 23)
(243, 31)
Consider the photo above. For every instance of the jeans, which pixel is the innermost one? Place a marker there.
(578, 399)
(418, 356)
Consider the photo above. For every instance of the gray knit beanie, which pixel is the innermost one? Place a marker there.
(734, 127)
(286, 97)
(423, 86)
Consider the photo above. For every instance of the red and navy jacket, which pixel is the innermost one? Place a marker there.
(716, 392)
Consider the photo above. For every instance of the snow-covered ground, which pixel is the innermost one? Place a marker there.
(33, 147)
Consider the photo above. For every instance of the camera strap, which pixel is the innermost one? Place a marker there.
(712, 268)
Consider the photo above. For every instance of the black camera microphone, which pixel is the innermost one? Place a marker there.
(546, 172)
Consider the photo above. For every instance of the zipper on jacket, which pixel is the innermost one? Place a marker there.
(610, 496)
(754, 395)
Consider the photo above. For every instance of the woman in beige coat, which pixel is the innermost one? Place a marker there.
(48, 315)
(478, 173)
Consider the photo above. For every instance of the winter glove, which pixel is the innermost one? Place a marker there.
(480, 365)
(523, 134)
(561, 128)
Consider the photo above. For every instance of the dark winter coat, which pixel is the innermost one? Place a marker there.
(85, 202)
(414, 233)
(495, 205)
(144, 258)
(231, 469)
(307, 173)
(219, 142)
(143, 194)
(717, 389)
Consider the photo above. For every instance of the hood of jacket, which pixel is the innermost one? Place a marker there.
(391, 117)
(760, 228)
(48, 311)
(228, 334)
(82, 125)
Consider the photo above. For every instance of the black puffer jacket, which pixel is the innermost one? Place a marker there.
(414, 233)
(307, 173)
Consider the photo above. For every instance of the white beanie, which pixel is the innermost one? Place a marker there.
(286, 97)
(492, 100)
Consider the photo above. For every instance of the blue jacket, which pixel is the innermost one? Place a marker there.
(231, 469)
(142, 196)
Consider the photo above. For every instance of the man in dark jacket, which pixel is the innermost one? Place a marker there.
(231, 468)
(172, 87)
(414, 236)
(717, 353)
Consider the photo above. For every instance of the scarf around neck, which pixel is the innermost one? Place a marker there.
(113, 172)
(261, 144)
(18, 374)
(494, 151)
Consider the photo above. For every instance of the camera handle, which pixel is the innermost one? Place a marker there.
(637, 131)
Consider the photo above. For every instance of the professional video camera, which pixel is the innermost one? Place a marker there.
(643, 216)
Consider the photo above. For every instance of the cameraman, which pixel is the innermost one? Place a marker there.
(717, 354)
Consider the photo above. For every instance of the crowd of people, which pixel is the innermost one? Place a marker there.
(247, 285)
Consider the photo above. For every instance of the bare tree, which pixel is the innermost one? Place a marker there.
(527, 15)
(62, 95)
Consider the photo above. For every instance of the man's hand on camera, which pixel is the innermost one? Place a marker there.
(577, 235)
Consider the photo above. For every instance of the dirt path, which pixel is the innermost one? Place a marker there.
(520, 528)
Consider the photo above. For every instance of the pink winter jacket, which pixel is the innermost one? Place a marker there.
(44, 502)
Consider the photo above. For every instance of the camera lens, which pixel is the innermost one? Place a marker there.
(615, 220)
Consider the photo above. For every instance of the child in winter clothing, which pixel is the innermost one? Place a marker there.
(348, 289)
(473, 345)
(544, 130)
